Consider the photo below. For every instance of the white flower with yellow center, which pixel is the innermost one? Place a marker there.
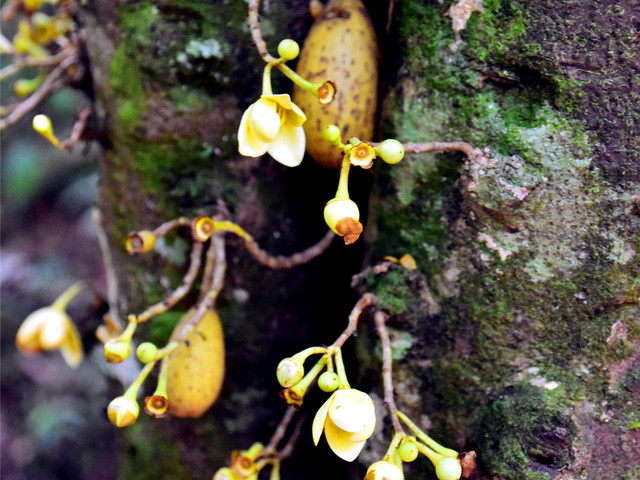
(273, 125)
(347, 418)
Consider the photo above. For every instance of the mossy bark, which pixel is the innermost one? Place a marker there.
(517, 335)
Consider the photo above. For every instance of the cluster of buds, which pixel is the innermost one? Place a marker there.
(341, 213)
(347, 417)
(273, 124)
(448, 464)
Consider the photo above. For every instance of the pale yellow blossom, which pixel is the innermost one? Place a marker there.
(347, 419)
(273, 125)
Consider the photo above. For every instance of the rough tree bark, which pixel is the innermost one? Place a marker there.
(516, 337)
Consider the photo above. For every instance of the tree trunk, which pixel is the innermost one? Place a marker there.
(516, 337)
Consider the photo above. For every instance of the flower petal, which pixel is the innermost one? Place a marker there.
(71, 348)
(248, 145)
(264, 121)
(319, 420)
(288, 147)
(54, 330)
(295, 117)
(352, 410)
(365, 433)
(27, 338)
(282, 99)
(339, 442)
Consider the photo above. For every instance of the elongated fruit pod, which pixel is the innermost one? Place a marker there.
(341, 46)
(196, 367)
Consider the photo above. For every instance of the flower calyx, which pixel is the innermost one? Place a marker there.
(203, 227)
(342, 216)
(156, 405)
(140, 242)
(362, 155)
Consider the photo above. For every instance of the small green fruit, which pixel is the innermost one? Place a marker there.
(328, 382)
(147, 352)
(288, 49)
(331, 133)
(408, 451)
(391, 151)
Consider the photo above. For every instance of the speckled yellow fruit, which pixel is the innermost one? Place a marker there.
(341, 47)
(196, 367)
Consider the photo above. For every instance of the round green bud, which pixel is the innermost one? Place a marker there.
(408, 451)
(448, 469)
(288, 49)
(328, 381)
(147, 352)
(289, 372)
(331, 133)
(391, 151)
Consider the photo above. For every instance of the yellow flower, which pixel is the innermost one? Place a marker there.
(273, 125)
(49, 328)
(348, 419)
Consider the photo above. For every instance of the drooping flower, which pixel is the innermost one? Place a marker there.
(51, 328)
(273, 125)
(347, 419)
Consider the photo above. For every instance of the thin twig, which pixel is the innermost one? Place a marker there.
(287, 450)
(175, 296)
(380, 319)
(281, 261)
(464, 147)
(256, 34)
(163, 229)
(50, 85)
(22, 62)
(281, 429)
(78, 129)
(365, 301)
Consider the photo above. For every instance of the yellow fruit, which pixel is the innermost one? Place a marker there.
(196, 367)
(341, 46)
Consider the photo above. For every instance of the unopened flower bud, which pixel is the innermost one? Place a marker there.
(331, 133)
(288, 49)
(117, 350)
(42, 125)
(123, 411)
(140, 242)
(448, 468)
(203, 227)
(342, 216)
(328, 381)
(146, 352)
(289, 372)
(390, 151)
(408, 451)
(384, 470)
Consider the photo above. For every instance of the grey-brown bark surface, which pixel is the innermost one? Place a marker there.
(517, 336)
